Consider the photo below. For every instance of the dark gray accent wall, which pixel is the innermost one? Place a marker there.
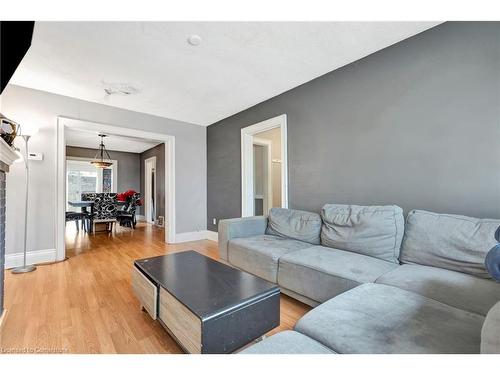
(159, 152)
(129, 173)
(416, 124)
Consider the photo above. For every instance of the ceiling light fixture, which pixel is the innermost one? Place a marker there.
(99, 157)
(194, 40)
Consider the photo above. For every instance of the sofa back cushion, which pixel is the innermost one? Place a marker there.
(376, 231)
(299, 225)
(454, 242)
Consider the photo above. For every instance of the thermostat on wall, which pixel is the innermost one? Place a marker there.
(35, 156)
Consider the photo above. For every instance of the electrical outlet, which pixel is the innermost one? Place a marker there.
(214, 221)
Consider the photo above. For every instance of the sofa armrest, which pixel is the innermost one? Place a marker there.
(240, 227)
(490, 334)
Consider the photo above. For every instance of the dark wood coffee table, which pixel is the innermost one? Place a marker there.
(206, 306)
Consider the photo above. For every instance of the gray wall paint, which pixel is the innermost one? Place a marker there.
(41, 108)
(416, 124)
(159, 152)
(129, 173)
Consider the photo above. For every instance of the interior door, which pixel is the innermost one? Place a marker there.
(150, 189)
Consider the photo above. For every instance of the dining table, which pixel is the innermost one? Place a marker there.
(84, 204)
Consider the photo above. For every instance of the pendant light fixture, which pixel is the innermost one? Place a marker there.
(99, 157)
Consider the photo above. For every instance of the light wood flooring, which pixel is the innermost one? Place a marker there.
(86, 305)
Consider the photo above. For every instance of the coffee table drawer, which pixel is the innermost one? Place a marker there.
(184, 325)
(216, 311)
(145, 291)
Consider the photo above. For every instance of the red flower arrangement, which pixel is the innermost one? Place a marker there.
(127, 197)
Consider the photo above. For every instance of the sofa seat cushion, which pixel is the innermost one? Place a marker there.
(454, 242)
(375, 231)
(320, 273)
(287, 342)
(299, 225)
(456, 289)
(375, 318)
(259, 254)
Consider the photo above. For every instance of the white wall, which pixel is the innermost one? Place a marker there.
(28, 106)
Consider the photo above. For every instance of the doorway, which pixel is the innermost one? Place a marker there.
(150, 189)
(264, 167)
(262, 171)
(65, 126)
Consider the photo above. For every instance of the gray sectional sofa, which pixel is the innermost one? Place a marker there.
(379, 284)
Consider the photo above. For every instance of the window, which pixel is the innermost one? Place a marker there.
(83, 177)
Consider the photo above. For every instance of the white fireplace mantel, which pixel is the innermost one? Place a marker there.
(7, 157)
(7, 154)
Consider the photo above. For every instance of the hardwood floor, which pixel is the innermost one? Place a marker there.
(86, 305)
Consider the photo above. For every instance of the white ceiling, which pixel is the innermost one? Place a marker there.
(113, 142)
(237, 65)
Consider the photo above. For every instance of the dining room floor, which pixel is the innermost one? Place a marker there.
(85, 304)
(80, 241)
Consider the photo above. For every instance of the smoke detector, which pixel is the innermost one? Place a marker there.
(118, 88)
(194, 40)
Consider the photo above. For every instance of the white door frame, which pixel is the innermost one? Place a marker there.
(247, 140)
(147, 189)
(64, 123)
(268, 196)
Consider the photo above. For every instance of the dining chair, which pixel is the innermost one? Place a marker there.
(103, 210)
(77, 217)
(127, 217)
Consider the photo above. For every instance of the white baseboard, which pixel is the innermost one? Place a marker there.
(212, 236)
(3, 316)
(32, 257)
(196, 236)
(190, 236)
(143, 219)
